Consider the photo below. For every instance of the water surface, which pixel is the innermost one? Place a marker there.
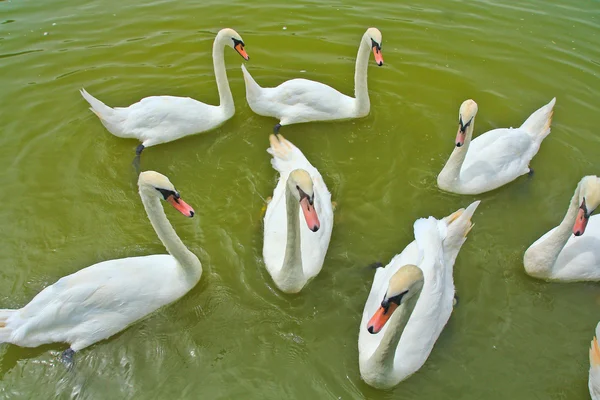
(69, 197)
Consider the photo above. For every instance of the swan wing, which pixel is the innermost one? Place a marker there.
(302, 100)
(497, 156)
(97, 301)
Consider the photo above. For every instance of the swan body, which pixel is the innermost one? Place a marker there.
(400, 325)
(571, 251)
(302, 100)
(494, 158)
(161, 119)
(594, 374)
(103, 299)
(294, 250)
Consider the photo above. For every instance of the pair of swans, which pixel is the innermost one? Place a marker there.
(103, 299)
(161, 119)
(494, 158)
(411, 301)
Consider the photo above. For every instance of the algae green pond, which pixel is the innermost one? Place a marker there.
(69, 197)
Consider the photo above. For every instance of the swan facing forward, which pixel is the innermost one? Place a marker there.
(98, 301)
(293, 251)
(560, 256)
(494, 158)
(302, 100)
(411, 301)
(594, 374)
(161, 119)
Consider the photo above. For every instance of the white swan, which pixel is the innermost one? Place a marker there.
(560, 256)
(594, 374)
(98, 301)
(494, 158)
(408, 306)
(161, 119)
(293, 251)
(302, 100)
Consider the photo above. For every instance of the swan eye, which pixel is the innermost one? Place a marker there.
(236, 42)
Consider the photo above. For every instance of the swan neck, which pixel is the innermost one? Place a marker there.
(450, 174)
(292, 262)
(167, 235)
(361, 90)
(383, 357)
(540, 259)
(225, 96)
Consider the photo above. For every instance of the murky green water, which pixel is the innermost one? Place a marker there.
(69, 198)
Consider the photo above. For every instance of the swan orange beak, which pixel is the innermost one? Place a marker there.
(240, 49)
(460, 136)
(378, 321)
(310, 215)
(581, 221)
(378, 56)
(181, 206)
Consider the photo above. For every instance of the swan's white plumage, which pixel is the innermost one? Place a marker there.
(98, 301)
(434, 305)
(287, 158)
(302, 100)
(161, 119)
(497, 157)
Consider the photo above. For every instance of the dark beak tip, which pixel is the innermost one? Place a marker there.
(380, 63)
(371, 329)
(578, 233)
(458, 144)
(315, 228)
(192, 213)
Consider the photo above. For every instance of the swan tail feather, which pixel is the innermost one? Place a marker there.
(286, 156)
(5, 330)
(103, 111)
(538, 123)
(429, 235)
(459, 225)
(252, 88)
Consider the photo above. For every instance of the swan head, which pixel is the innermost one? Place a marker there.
(301, 186)
(589, 199)
(155, 184)
(232, 39)
(373, 38)
(404, 284)
(466, 115)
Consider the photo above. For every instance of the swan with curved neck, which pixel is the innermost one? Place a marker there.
(298, 221)
(494, 158)
(161, 119)
(411, 301)
(571, 251)
(302, 100)
(103, 299)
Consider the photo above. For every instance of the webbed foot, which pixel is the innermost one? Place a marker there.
(67, 357)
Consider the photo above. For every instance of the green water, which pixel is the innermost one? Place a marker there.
(69, 196)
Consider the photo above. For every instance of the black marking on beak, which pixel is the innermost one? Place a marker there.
(236, 42)
(311, 199)
(166, 193)
(463, 127)
(375, 45)
(385, 304)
